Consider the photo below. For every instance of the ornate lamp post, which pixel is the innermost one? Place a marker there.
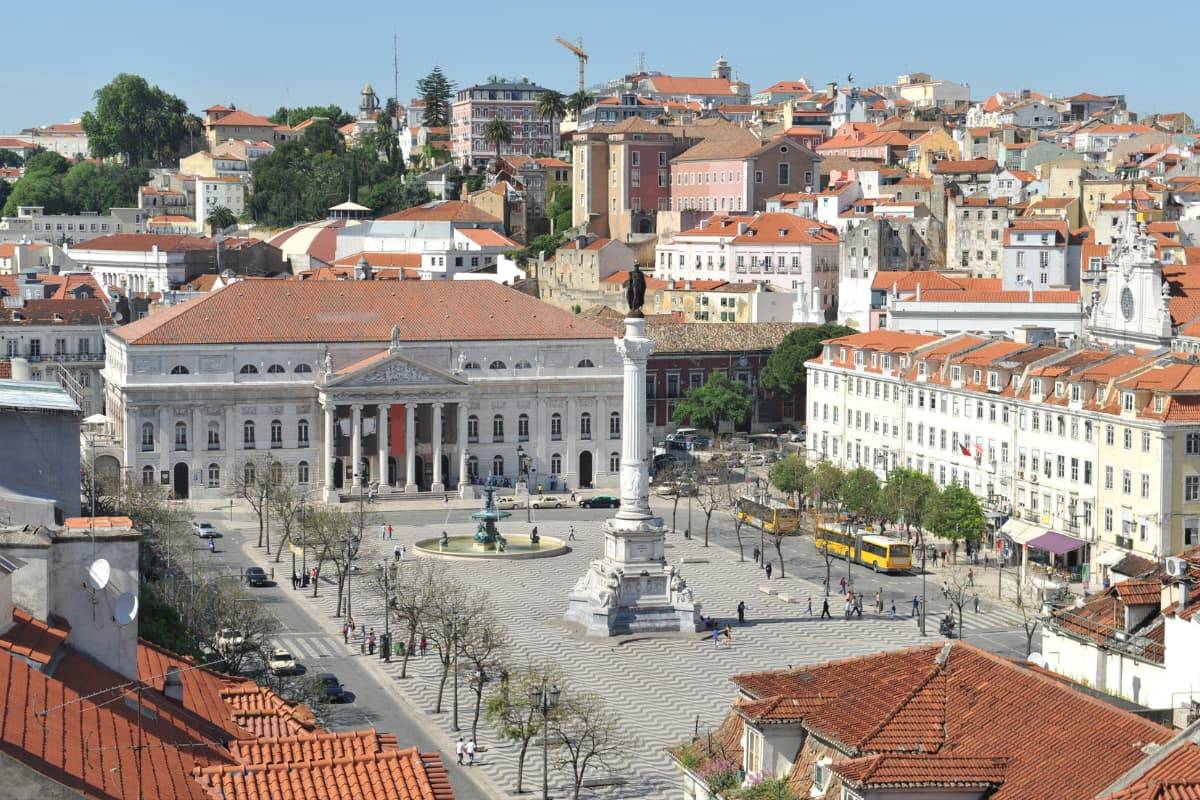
(545, 699)
(523, 469)
(454, 634)
(384, 571)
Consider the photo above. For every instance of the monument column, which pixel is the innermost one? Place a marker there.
(410, 447)
(463, 478)
(437, 485)
(329, 456)
(381, 430)
(356, 446)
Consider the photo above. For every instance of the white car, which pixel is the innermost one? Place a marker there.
(548, 501)
(205, 530)
(509, 503)
(281, 662)
(756, 460)
(230, 639)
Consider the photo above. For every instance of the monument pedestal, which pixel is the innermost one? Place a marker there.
(631, 589)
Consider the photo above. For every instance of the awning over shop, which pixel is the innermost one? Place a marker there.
(1054, 542)
(1021, 532)
(1110, 558)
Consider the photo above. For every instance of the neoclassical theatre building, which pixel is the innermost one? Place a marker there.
(421, 384)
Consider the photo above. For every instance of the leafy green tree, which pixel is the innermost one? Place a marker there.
(10, 159)
(37, 189)
(322, 137)
(784, 374)
(578, 101)
(5, 191)
(159, 622)
(436, 90)
(279, 196)
(551, 105)
(88, 186)
(860, 494)
(956, 514)
(136, 121)
(717, 400)
(219, 219)
(498, 132)
(294, 116)
(826, 484)
(559, 209)
(46, 162)
(790, 475)
(909, 495)
(395, 194)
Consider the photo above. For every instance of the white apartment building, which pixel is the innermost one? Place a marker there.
(1099, 445)
(419, 385)
(32, 222)
(146, 262)
(226, 191)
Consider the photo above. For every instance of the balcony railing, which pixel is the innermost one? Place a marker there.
(63, 358)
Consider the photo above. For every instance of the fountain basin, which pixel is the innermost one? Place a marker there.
(519, 546)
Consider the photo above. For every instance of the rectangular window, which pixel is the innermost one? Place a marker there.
(1108, 477)
(1145, 485)
(784, 174)
(1128, 437)
(1145, 441)
(1126, 481)
(1191, 488)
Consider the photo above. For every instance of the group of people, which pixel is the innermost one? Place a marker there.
(465, 749)
(302, 579)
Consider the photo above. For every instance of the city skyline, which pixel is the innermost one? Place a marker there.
(258, 72)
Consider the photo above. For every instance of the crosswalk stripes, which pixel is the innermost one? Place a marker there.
(310, 647)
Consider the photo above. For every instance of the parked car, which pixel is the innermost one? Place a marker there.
(509, 503)
(281, 662)
(757, 459)
(548, 501)
(600, 501)
(334, 691)
(230, 639)
(256, 576)
(205, 530)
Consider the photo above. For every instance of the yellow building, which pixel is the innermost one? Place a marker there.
(929, 148)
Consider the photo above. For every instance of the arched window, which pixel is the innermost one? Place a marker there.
(497, 364)
(181, 436)
(555, 464)
(276, 433)
(276, 369)
(472, 428)
(179, 369)
(585, 364)
(147, 436)
(248, 369)
(472, 467)
(147, 475)
(498, 428)
(214, 435)
(248, 434)
(214, 476)
(302, 368)
(498, 465)
(585, 425)
(614, 425)
(523, 428)
(614, 462)
(276, 473)
(249, 474)
(556, 426)
(522, 365)
(302, 472)
(471, 365)
(302, 433)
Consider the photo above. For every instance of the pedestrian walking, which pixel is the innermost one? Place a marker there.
(571, 534)
(212, 545)
(858, 605)
(848, 607)
(768, 568)
(975, 597)
(572, 497)
(934, 556)
(842, 585)
(390, 532)
(345, 633)
(879, 600)
(741, 609)
(396, 552)
(916, 605)
(757, 554)
(728, 634)
(825, 609)
(945, 589)
(808, 612)
(424, 645)
(371, 642)
(383, 531)
(470, 752)
(970, 576)
(459, 750)
(893, 614)
(295, 580)
(985, 560)
(403, 551)
(716, 637)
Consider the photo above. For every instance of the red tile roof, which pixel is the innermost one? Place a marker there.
(443, 211)
(1175, 777)
(243, 119)
(145, 242)
(486, 237)
(913, 770)
(311, 747)
(33, 639)
(670, 84)
(974, 165)
(255, 311)
(783, 228)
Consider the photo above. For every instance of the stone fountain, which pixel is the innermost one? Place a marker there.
(487, 541)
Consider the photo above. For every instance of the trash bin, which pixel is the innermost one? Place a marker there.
(400, 649)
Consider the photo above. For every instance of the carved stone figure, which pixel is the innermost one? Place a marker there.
(395, 338)
(327, 363)
(635, 290)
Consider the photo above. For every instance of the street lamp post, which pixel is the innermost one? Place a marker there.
(454, 634)
(523, 468)
(545, 698)
(922, 620)
(384, 574)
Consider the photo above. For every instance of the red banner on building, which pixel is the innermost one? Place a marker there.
(396, 429)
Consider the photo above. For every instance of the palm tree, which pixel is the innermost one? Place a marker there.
(577, 102)
(498, 132)
(551, 105)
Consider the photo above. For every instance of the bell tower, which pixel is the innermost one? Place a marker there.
(1135, 309)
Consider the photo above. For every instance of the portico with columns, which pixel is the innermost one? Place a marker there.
(392, 424)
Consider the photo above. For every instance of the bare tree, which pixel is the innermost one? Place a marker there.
(589, 735)
(483, 647)
(1031, 619)
(417, 585)
(675, 481)
(514, 713)
(231, 623)
(958, 586)
(709, 496)
(445, 625)
(733, 508)
(251, 481)
(286, 503)
(330, 532)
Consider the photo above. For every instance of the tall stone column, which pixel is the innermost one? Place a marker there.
(463, 478)
(329, 454)
(571, 440)
(600, 434)
(438, 485)
(541, 435)
(166, 440)
(356, 446)
(631, 589)
(410, 447)
(381, 430)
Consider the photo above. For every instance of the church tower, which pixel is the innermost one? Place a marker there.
(721, 69)
(368, 106)
(1135, 309)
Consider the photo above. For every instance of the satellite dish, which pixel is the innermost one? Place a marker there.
(98, 574)
(126, 609)
(1037, 659)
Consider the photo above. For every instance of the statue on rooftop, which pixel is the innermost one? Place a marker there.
(635, 290)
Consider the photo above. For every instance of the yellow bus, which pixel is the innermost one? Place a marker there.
(772, 516)
(880, 553)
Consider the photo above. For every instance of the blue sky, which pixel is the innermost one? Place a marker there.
(267, 53)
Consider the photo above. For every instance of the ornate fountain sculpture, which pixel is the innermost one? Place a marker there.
(486, 533)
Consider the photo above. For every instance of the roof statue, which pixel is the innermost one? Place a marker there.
(327, 363)
(395, 346)
(635, 290)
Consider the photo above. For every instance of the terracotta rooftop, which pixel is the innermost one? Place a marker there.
(443, 211)
(913, 770)
(145, 242)
(33, 639)
(253, 311)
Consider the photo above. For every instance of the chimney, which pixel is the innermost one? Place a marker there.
(20, 369)
(918, 292)
(830, 90)
(173, 685)
(704, 223)
(1030, 287)
(742, 228)
(687, 285)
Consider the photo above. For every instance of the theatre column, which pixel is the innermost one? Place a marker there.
(410, 447)
(438, 485)
(381, 430)
(356, 446)
(330, 455)
(463, 478)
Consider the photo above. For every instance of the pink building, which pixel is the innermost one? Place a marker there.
(738, 173)
(476, 106)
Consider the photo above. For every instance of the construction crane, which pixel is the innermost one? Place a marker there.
(578, 51)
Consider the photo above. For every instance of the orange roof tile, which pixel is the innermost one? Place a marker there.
(443, 211)
(243, 119)
(486, 237)
(145, 242)
(783, 228)
(912, 770)
(33, 639)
